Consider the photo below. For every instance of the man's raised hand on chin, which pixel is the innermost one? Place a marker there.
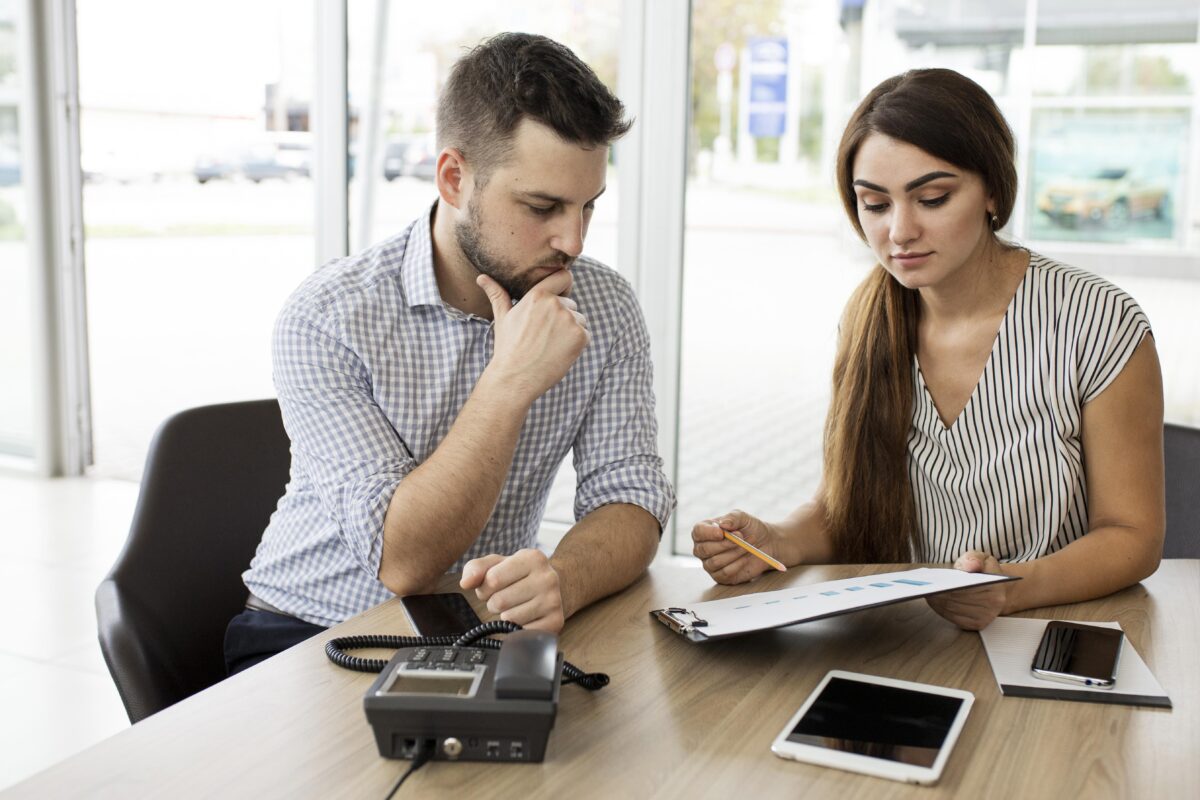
(539, 338)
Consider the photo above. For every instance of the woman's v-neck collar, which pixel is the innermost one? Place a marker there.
(1001, 332)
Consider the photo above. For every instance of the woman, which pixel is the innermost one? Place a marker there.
(990, 407)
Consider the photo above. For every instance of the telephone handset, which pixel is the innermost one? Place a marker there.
(528, 666)
(464, 698)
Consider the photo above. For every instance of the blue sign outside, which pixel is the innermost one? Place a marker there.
(768, 86)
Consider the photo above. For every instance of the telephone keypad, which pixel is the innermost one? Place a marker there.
(449, 658)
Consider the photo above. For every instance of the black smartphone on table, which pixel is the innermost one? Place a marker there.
(446, 614)
(1087, 655)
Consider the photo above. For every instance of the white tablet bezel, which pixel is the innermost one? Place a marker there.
(881, 768)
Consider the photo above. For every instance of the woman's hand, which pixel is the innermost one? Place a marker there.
(973, 609)
(724, 560)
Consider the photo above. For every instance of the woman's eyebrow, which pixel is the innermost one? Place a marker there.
(908, 187)
(874, 187)
(924, 179)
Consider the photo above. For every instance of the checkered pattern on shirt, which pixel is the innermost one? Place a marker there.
(372, 369)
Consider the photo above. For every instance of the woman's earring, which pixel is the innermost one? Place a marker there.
(995, 222)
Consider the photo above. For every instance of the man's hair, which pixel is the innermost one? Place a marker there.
(511, 76)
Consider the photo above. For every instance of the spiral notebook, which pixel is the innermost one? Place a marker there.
(733, 616)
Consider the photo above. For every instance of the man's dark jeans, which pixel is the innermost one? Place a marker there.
(254, 636)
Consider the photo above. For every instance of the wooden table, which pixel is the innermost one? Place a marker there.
(683, 719)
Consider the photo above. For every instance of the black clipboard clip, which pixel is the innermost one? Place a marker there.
(677, 619)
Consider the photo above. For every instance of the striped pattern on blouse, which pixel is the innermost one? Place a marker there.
(1007, 476)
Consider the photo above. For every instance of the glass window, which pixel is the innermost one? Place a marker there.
(982, 39)
(1112, 168)
(197, 203)
(16, 326)
(1107, 175)
(768, 262)
(1116, 22)
(404, 70)
(1110, 127)
(1101, 107)
(410, 64)
(1114, 70)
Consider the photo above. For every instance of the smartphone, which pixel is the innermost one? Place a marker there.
(1082, 654)
(439, 614)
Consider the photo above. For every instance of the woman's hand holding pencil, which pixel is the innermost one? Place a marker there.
(736, 547)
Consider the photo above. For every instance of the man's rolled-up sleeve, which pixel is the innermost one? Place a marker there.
(342, 442)
(616, 451)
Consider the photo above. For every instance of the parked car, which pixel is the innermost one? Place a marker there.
(1110, 196)
(414, 156)
(283, 155)
(214, 167)
(274, 155)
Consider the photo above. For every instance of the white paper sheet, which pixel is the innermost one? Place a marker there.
(1011, 642)
(763, 610)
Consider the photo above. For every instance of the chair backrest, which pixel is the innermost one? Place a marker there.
(1181, 451)
(213, 477)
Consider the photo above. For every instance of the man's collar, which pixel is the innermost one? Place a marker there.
(420, 283)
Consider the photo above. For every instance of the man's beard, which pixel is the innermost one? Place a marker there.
(469, 235)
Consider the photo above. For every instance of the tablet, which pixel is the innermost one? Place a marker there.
(892, 729)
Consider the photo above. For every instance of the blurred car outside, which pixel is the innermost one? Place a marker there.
(1111, 196)
(281, 155)
(413, 156)
(213, 167)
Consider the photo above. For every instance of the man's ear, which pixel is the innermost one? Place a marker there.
(451, 176)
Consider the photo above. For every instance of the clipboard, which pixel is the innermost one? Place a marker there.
(758, 611)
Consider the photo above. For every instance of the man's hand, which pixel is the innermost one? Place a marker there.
(521, 588)
(539, 338)
(973, 609)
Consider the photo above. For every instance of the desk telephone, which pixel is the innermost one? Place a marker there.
(464, 698)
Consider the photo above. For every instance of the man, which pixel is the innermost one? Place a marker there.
(432, 384)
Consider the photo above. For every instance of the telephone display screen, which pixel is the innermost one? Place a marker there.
(419, 684)
(878, 721)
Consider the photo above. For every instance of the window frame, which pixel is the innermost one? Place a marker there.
(53, 185)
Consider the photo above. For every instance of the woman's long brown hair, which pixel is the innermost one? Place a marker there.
(870, 512)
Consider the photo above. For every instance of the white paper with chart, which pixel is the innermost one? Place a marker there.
(731, 616)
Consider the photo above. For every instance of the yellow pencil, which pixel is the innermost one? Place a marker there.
(754, 551)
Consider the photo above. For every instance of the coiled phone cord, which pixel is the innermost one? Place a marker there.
(336, 649)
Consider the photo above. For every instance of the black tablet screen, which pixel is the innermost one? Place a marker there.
(878, 721)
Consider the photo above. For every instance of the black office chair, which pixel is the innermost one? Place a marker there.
(1181, 451)
(213, 477)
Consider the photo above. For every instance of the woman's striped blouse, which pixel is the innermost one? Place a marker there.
(1007, 476)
